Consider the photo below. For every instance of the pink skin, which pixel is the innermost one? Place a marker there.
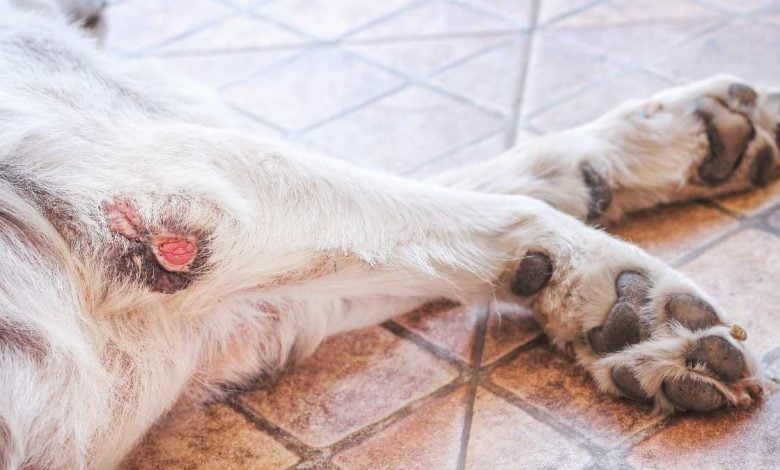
(174, 252)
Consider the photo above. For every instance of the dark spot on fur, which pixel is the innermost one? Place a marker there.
(745, 95)
(533, 273)
(598, 189)
(14, 336)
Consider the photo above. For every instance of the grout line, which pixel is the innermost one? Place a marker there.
(476, 358)
(525, 66)
(436, 350)
(281, 436)
(410, 172)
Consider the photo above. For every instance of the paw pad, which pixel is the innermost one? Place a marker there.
(691, 312)
(693, 394)
(728, 133)
(598, 189)
(533, 273)
(623, 326)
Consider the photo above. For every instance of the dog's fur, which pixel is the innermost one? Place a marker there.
(99, 338)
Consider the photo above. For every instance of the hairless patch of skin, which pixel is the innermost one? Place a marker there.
(165, 260)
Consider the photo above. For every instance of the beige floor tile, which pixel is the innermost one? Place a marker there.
(454, 329)
(672, 231)
(774, 219)
(135, 26)
(404, 130)
(491, 78)
(744, 48)
(216, 437)
(772, 364)
(596, 100)
(549, 381)
(428, 438)
(422, 57)
(753, 201)
(434, 18)
(310, 88)
(546, 84)
(217, 70)
(329, 19)
(505, 437)
(726, 439)
(237, 32)
(741, 274)
(518, 12)
(352, 381)
(633, 30)
(483, 149)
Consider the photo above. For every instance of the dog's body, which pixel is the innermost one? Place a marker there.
(152, 257)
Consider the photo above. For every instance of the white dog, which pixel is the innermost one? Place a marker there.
(153, 258)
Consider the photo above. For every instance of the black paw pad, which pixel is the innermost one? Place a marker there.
(761, 168)
(625, 380)
(720, 356)
(693, 394)
(692, 312)
(728, 134)
(623, 326)
(532, 275)
(598, 190)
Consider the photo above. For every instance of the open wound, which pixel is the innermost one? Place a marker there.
(163, 259)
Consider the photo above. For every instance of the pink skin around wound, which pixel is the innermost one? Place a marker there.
(174, 253)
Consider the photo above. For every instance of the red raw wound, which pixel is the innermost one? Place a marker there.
(175, 253)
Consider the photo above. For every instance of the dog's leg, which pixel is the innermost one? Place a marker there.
(320, 236)
(704, 139)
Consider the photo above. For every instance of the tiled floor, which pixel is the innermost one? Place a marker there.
(414, 86)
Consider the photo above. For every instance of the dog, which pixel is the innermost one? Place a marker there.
(155, 257)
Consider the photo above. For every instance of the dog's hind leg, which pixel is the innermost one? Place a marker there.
(707, 138)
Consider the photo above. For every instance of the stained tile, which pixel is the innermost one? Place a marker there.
(310, 88)
(435, 18)
(403, 130)
(237, 32)
(596, 100)
(545, 84)
(138, 26)
(672, 231)
(745, 49)
(353, 380)
(491, 78)
(479, 151)
(505, 437)
(725, 439)
(518, 12)
(454, 328)
(741, 273)
(329, 19)
(422, 57)
(753, 201)
(549, 381)
(216, 437)
(428, 438)
(226, 68)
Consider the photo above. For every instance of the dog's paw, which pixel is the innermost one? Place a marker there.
(708, 138)
(641, 329)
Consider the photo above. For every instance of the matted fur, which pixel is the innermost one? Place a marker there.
(296, 246)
